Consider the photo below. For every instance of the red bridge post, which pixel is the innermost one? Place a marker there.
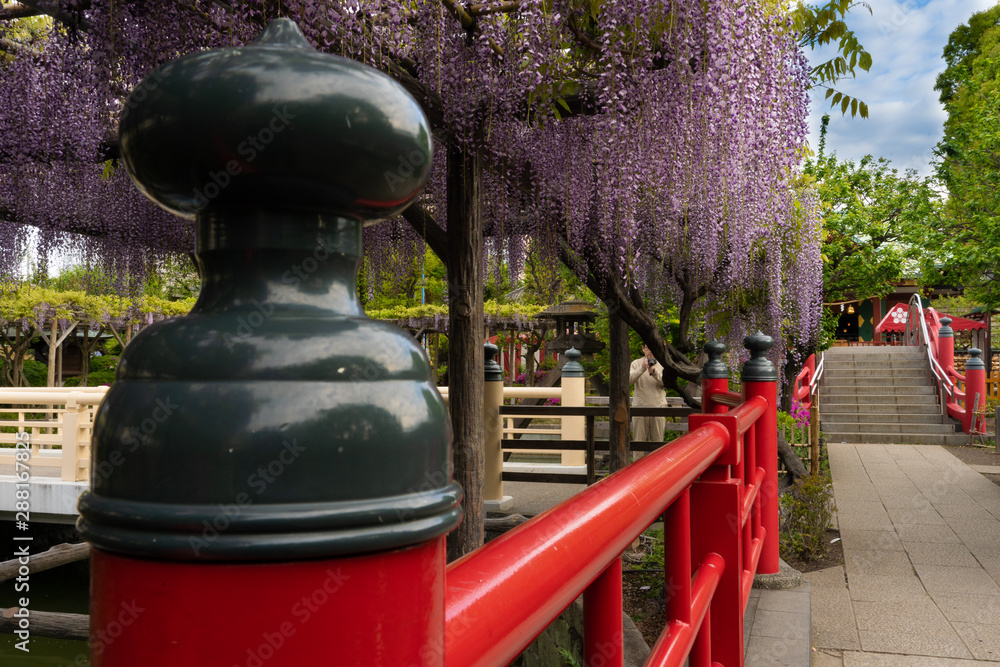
(760, 378)
(975, 392)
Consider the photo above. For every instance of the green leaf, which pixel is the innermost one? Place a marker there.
(865, 61)
(863, 108)
(844, 104)
(854, 108)
(563, 103)
(829, 92)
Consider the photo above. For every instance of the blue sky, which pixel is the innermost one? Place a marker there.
(905, 39)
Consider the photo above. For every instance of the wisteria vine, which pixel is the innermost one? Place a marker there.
(654, 138)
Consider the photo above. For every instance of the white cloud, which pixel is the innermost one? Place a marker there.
(906, 40)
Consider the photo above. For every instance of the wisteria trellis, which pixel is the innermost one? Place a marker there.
(656, 138)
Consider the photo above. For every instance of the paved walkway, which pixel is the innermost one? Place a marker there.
(920, 584)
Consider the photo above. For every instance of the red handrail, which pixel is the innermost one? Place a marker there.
(716, 488)
(500, 597)
(802, 386)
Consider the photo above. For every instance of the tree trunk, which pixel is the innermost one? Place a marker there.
(465, 351)
(53, 354)
(618, 398)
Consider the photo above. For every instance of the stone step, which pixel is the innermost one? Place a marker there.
(869, 385)
(870, 388)
(857, 398)
(875, 354)
(889, 427)
(898, 438)
(851, 416)
(873, 371)
(845, 365)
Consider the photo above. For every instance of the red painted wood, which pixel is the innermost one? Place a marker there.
(378, 609)
(603, 633)
(500, 597)
(766, 441)
(716, 528)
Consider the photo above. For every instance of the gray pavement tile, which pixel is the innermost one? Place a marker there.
(931, 553)
(871, 540)
(947, 579)
(968, 513)
(875, 587)
(969, 608)
(924, 532)
(780, 624)
(916, 514)
(824, 658)
(864, 521)
(908, 614)
(854, 659)
(860, 562)
(768, 651)
(833, 624)
(867, 507)
(947, 495)
(792, 600)
(990, 563)
(915, 639)
(983, 639)
(914, 501)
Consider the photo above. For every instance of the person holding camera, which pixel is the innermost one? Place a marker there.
(647, 376)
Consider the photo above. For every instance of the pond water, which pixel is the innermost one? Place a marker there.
(64, 589)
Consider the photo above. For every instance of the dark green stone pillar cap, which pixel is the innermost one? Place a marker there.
(493, 371)
(946, 331)
(758, 368)
(572, 367)
(975, 363)
(275, 422)
(715, 368)
(278, 125)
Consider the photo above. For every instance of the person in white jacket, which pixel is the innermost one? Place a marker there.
(647, 376)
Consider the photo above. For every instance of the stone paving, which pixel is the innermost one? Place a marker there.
(920, 583)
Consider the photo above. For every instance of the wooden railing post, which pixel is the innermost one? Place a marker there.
(573, 382)
(74, 418)
(760, 378)
(603, 633)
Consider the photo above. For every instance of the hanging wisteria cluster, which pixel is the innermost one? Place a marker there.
(657, 139)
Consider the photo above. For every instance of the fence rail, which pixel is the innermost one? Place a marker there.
(59, 421)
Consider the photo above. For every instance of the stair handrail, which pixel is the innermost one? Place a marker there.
(919, 335)
(817, 375)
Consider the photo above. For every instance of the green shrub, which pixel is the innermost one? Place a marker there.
(806, 512)
(36, 372)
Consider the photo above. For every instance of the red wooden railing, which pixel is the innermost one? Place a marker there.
(717, 490)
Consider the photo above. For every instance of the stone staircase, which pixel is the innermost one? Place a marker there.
(882, 395)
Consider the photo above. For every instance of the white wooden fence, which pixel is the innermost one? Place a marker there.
(59, 421)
